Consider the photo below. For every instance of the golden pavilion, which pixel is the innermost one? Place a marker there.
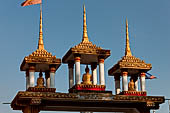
(88, 54)
(129, 66)
(40, 61)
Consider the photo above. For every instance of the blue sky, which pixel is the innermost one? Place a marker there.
(149, 29)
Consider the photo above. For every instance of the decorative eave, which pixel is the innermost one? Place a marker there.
(39, 58)
(94, 54)
(86, 49)
(131, 64)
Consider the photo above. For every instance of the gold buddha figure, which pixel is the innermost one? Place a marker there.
(40, 80)
(87, 77)
(131, 85)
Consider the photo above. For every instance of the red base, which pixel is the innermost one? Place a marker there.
(89, 87)
(43, 89)
(134, 93)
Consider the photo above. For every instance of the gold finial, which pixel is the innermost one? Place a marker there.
(40, 42)
(85, 36)
(127, 50)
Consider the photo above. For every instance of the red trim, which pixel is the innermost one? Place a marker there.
(134, 93)
(93, 89)
(90, 87)
(77, 59)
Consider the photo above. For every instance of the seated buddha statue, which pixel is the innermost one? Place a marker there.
(131, 85)
(40, 81)
(87, 77)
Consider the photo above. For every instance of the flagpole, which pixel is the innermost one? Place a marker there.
(41, 7)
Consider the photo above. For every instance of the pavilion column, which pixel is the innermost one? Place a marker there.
(136, 84)
(117, 84)
(31, 76)
(52, 77)
(94, 73)
(27, 80)
(47, 77)
(101, 72)
(71, 74)
(124, 81)
(77, 70)
(142, 81)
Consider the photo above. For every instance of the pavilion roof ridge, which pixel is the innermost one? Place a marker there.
(86, 45)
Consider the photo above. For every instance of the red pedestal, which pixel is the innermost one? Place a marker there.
(134, 93)
(87, 88)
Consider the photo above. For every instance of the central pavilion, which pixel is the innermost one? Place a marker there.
(88, 54)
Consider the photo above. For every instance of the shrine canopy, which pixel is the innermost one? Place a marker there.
(129, 63)
(88, 51)
(41, 59)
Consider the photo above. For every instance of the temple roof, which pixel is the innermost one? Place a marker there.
(41, 58)
(86, 49)
(128, 62)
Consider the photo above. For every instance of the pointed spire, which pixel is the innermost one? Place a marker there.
(40, 42)
(85, 35)
(127, 50)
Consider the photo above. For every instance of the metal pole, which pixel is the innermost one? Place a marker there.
(168, 103)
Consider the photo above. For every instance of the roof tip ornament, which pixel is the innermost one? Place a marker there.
(40, 42)
(127, 50)
(85, 35)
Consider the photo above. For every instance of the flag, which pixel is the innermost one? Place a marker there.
(31, 2)
(150, 76)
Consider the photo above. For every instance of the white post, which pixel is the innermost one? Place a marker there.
(124, 81)
(48, 82)
(101, 72)
(94, 73)
(142, 81)
(77, 70)
(27, 80)
(71, 73)
(136, 85)
(52, 77)
(31, 79)
(31, 76)
(47, 76)
(117, 84)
